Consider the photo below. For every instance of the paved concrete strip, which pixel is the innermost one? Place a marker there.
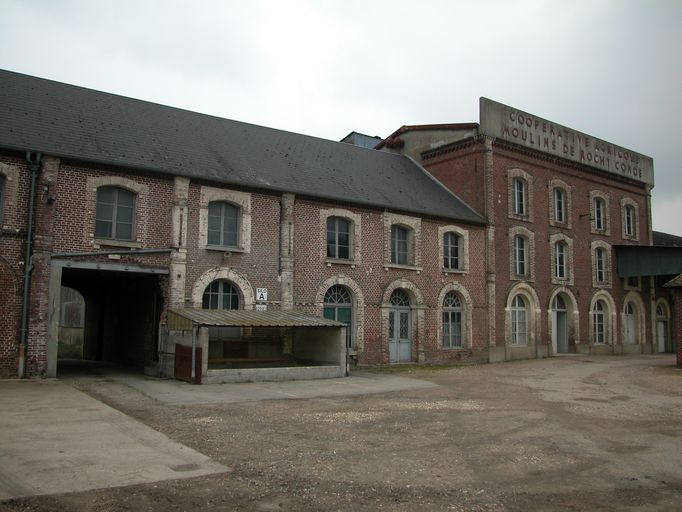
(55, 439)
(180, 393)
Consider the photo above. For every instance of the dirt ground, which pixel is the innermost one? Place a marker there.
(567, 433)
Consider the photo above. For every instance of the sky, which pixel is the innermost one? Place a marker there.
(609, 68)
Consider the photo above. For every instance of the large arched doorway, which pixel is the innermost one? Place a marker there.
(559, 325)
(338, 305)
(399, 342)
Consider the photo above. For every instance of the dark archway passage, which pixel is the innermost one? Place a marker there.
(121, 319)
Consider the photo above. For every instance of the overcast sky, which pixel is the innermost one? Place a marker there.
(612, 69)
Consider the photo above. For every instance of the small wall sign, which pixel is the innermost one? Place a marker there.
(261, 294)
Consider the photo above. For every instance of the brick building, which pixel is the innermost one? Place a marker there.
(561, 205)
(147, 211)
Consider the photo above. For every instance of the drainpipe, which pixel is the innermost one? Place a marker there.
(33, 161)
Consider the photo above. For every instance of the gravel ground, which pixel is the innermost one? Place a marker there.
(568, 433)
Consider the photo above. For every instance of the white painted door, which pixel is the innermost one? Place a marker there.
(630, 332)
(399, 344)
(661, 334)
(561, 332)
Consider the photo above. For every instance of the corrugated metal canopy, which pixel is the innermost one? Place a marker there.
(647, 260)
(248, 318)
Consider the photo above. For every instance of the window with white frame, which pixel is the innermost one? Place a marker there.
(600, 265)
(600, 217)
(402, 235)
(559, 205)
(451, 251)
(599, 214)
(520, 193)
(560, 260)
(220, 294)
(520, 255)
(519, 334)
(629, 211)
(115, 213)
(452, 321)
(599, 323)
(338, 238)
(224, 220)
(223, 224)
(400, 245)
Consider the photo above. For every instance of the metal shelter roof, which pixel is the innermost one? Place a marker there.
(648, 260)
(185, 319)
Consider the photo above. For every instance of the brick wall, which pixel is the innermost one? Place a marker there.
(460, 167)
(12, 240)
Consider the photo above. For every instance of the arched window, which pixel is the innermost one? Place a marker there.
(520, 190)
(660, 313)
(558, 304)
(559, 205)
(560, 260)
(519, 334)
(520, 264)
(400, 298)
(598, 322)
(220, 294)
(599, 214)
(452, 321)
(400, 245)
(115, 213)
(338, 238)
(223, 224)
(338, 305)
(599, 262)
(451, 251)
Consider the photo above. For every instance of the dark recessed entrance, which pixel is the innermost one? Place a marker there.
(119, 321)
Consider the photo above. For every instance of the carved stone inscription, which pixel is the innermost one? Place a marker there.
(519, 127)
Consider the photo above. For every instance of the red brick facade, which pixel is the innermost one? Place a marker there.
(130, 285)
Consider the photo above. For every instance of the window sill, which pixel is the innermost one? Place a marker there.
(600, 232)
(402, 267)
(110, 242)
(522, 218)
(454, 270)
(601, 285)
(337, 261)
(219, 248)
(527, 279)
(453, 349)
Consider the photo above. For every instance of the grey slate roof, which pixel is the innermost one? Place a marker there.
(92, 126)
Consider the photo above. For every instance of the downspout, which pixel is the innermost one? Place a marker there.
(33, 161)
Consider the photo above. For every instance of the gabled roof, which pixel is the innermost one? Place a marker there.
(83, 124)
